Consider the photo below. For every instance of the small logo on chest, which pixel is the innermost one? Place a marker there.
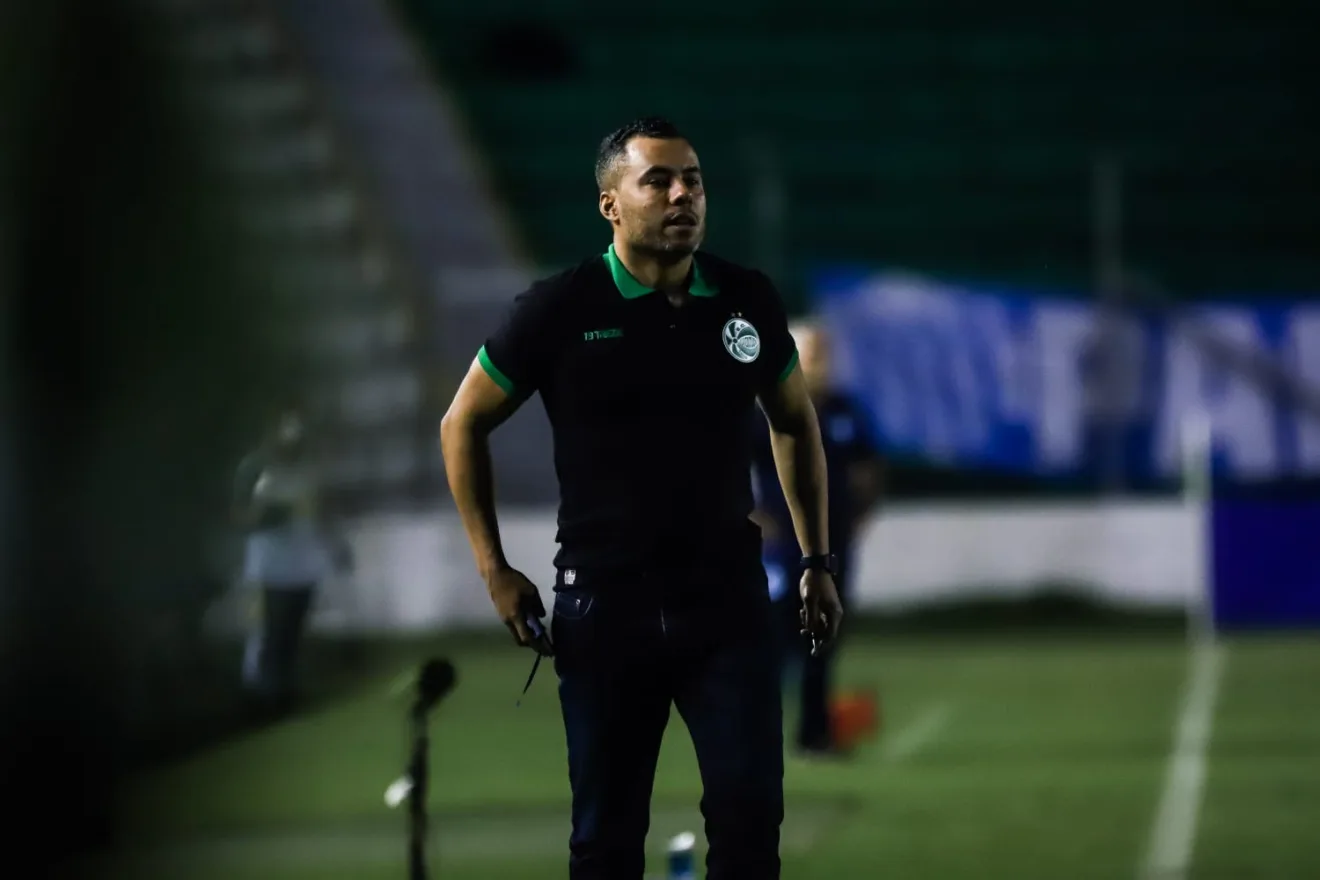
(741, 340)
(593, 335)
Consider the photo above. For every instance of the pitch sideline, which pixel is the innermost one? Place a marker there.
(1173, 833)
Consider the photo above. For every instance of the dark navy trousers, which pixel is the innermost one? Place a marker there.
(630, 646)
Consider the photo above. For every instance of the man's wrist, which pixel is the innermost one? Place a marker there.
(826, 562)
(488, 568)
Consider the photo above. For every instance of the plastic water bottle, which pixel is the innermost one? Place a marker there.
(683, 857)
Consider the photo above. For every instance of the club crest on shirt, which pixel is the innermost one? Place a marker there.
(741, 340)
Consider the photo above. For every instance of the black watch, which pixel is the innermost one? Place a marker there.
(821, 562)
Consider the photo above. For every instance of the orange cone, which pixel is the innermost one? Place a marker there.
(855, 716)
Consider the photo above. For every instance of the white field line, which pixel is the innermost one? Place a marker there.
(456, 838)
(920, 733)
(1173, 834)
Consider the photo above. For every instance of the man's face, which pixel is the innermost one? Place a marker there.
(658, 199)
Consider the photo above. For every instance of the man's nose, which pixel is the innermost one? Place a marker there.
(680, 194)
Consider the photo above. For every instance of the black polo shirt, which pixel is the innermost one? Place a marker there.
(650, 406)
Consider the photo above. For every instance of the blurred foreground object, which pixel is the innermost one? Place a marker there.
(131, 365)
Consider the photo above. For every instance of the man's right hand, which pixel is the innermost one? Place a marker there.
(515, 598)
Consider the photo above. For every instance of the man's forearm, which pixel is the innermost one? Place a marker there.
(800, 463)
(471, 478)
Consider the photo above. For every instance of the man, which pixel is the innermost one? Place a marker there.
(855, 487)
(649, 360)
(289, 552)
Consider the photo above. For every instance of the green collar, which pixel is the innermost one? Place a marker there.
(631, 288)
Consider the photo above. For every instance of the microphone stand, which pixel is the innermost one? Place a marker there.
(419, 772)
(434, 681)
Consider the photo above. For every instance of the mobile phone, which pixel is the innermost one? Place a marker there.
(540, 638)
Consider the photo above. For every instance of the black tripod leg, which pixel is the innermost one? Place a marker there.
(418, 772)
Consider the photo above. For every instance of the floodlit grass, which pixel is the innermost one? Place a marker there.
(1021, 759)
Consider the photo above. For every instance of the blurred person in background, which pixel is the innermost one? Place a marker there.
(856, 484)
(291, 547)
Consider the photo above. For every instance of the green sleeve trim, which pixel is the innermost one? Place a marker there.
(788, 370)
(493, 371)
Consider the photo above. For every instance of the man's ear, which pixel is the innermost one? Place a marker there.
(609, 207)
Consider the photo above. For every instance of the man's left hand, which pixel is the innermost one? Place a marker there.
(822, 612)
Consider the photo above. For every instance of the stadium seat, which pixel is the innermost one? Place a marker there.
(902, 138)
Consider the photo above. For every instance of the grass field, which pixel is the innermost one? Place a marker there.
(1027, 758)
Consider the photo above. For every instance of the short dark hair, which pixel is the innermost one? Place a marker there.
(616, 142)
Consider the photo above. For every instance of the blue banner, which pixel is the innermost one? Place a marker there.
(1266, 572)
(973, 375)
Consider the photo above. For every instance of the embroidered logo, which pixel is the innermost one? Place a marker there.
(741, 340)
